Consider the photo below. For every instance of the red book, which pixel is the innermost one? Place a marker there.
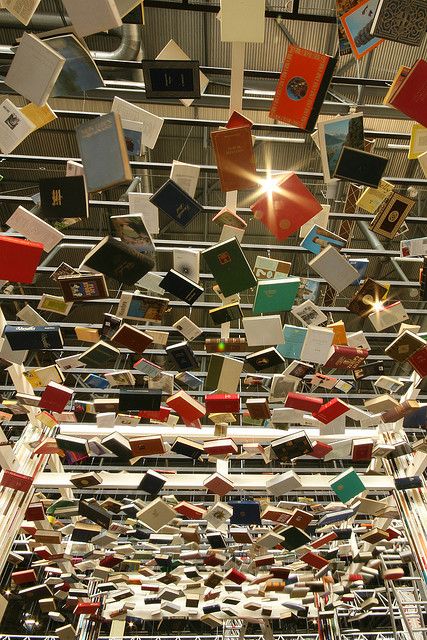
(235, 158)
(331, 410)
(392, 533)
(218, 484)
(302, 87)
(344, 357)
(303, 402)
(19, 259)
(300, 519)
(17, 481)
(161, 415)
(235, 576)
(410, 96)
(314, 560)
(289, 205)
(110, 561)
(55, 397)
(222, 403)
(418, 361)
(147, 446)
(24, 577)
(316, 544)
(222, 446)
(238, 120)
(34, 512)
(86, 608)
(185, 406)
(362, 450)
(190, 511)
(320, 449)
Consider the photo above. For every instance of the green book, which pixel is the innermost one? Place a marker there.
(293, 538)
(274, 296)
(347, 485)
(229, 267)
(223, 374)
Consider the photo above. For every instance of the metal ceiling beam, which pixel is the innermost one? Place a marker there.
(166, 166)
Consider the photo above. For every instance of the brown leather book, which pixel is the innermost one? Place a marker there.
(235, 158)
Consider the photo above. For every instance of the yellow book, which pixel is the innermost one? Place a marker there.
(340, 335)
(418, 142)
(372, 198)
(86, 334)
(39, 116)
(33, 379)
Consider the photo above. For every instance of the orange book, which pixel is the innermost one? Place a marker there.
(302, 87)
(235, 158)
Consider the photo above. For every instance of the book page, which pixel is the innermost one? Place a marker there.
(92, 17)
(14, 127)
(39, 116)
(140, 203)
(147, 123)
(23, 10)
(34, 69)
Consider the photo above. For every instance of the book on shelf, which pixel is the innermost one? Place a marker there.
(176, 203)
(103, 138)
(34, 228)
(100, 15)
(229, 267)
(289, 205)
(117, 260)
(34, 69)
(302, 86)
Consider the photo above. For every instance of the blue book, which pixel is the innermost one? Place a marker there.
(335, 516)
(96, 382)
(245, 512)
(361, 265)
(309, 290)
(176, 203)
(294, 339)
(318, 238)
(103, 151)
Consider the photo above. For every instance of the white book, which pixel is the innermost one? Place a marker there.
(30, 316)
(263, 331)
(422, 159)
(358, 340)
(286, 415)
(23, 10)
(35, 229)
(35, 69)
(388, 316)
(148, 124)
(74, 169)
(172, 51)
(125, 6)
(69, 362)
(228, 232)
(415, 247)
(106, 419)
(186, 176)
(14, 127)
(242, 20)
(187, 263)
(283, 483)
(340, 450)
(334, 268)
(92, 17)
(320, 219)
(317, 344)
(309, 313)
(188, 328)
(140, 203)
(151, 282)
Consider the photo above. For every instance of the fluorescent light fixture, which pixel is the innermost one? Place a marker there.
(259, 92)
(398, 146)
(277, 139)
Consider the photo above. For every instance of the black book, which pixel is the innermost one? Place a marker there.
(183, 356)
(93, 511)
(118, 260)
(176, 203)
(343, 534)
(152, 482)
(118, 445)
(143, 400)
(216, 540)
(411, 482)
(63, 197)
(293, 538)
(292, 446)
(98, 355)
(152, 600)
(265, 359)
(188, 448)
(22, 337)
(360, 167)
(226, 313)
(181, 287)
(83, 532)
(36, 592)
(110, 324)
(71, 443)
(371, 369)
(171, 78)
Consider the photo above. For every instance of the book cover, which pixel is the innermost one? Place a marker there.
(404, 22)
(98, 355)
(263, 330)
(357, 23)
(265, 359)
(409, 96)
(63, 197)
(360, 167)
(245, 512)
(347, 485)
(391, 215)
(182, 355)
(34, 228)
(171, 78)
(273, 296)
(229, 217)
(223, 374)
(294, 338)
(225, 313)
(117, 260)
(230, 267)
(136, 306)
(334, 268)
(269, 268)
(236, 29)
(19, 259)
(235, 159)
(302, 86)
(219, 345)
(318, 238)
(187, 263)
(17, 481)
(372, 198)
(83, 287)
(25, 337)
(100, 15)
(103, 138)
(404, 346)
(345, 357)
(181, 287)
(131, 338)
(292, 446)
(131, 230)
(370, 293)
(176, 203)
(333, 135)
(287, 207)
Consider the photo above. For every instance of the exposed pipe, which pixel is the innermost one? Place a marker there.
(378, 246)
